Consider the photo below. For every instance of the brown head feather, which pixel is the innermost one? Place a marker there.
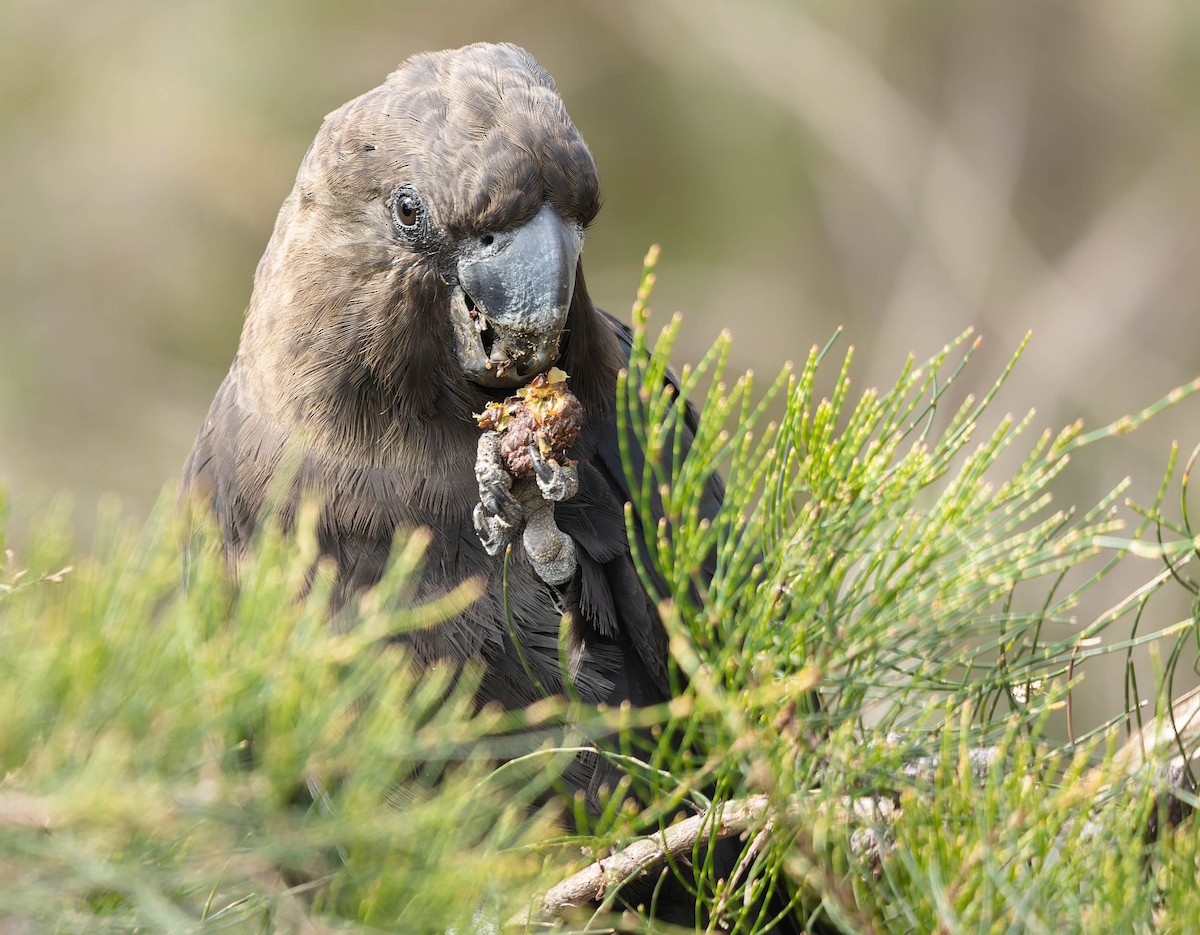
(347, 333)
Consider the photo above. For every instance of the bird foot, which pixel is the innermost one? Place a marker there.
(495, 483)
(498, 516)
(509, 508)
(551, 551)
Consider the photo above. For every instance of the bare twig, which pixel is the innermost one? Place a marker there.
(594, 882)
(644, 855)
(1178, 727)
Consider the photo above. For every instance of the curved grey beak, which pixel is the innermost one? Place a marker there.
(513, 294)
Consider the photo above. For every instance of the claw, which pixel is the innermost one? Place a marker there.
(543, 469)
(493, 532)
(556, 481)
(496, 499)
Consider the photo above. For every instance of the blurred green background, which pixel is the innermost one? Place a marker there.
(904, 169)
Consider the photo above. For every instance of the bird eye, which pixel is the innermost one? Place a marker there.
(406, 208)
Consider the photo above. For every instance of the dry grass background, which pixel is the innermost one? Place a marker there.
(903, 169)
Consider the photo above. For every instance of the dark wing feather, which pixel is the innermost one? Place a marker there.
(610, 458)
(613, 601)
(212, 470)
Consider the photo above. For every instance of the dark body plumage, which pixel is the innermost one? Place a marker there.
(347, 363)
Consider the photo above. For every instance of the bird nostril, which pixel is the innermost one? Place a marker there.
(487, 240)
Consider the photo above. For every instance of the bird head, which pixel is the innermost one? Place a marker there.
(433, 235)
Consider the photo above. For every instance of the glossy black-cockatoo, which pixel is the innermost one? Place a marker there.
(426, 263)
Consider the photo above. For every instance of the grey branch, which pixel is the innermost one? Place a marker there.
(646, 855)
(591, 884)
